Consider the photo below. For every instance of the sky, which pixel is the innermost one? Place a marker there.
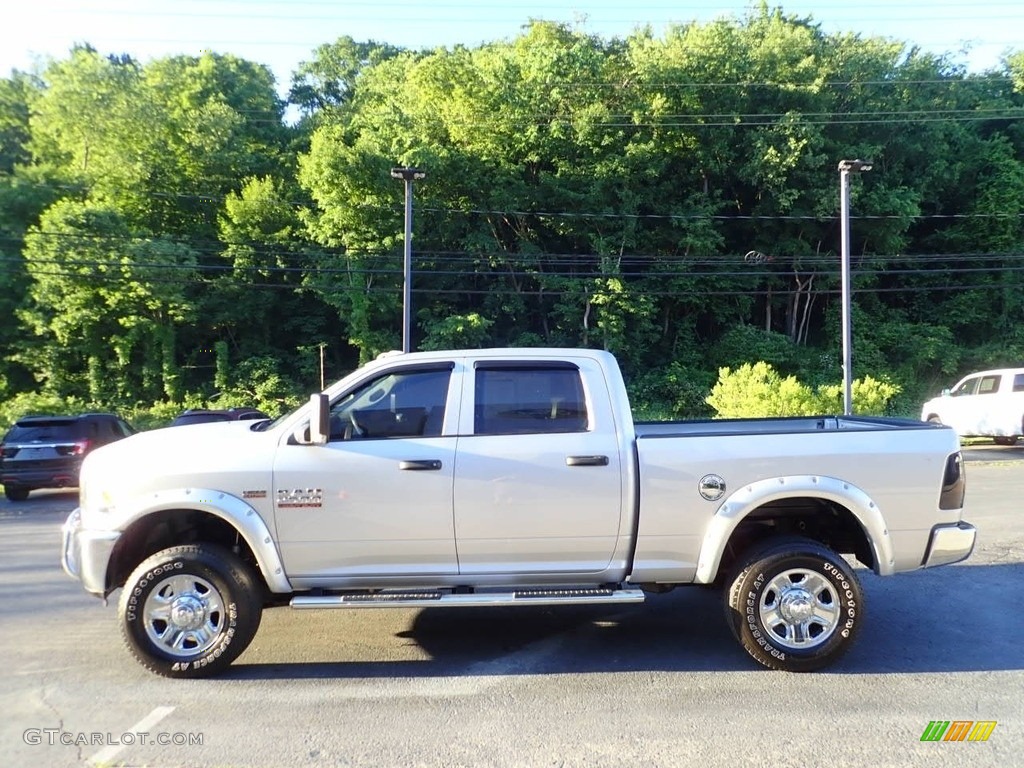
(283, 33)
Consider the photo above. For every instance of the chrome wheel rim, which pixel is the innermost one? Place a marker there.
(799, 609)
(184, 615)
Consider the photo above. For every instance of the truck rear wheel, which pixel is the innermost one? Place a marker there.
(795, 605)
(190, 611)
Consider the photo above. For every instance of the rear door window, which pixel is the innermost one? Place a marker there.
(528, 399)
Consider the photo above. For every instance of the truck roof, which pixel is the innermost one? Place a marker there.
(495, 352)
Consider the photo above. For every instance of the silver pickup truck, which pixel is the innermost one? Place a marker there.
(507, 477)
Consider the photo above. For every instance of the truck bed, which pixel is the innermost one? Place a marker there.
(877, 468)
(778, 426)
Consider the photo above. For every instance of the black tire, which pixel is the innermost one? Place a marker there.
(16, 492)
(209, 592)
(794, 605)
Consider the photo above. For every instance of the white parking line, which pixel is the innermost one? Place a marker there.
(144, 725)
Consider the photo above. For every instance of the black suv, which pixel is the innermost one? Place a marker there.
(47, 451)
(203, 416)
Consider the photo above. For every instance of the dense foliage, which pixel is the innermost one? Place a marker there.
(759, 390)
(168, 237)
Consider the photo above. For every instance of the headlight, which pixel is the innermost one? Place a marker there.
(94, 498)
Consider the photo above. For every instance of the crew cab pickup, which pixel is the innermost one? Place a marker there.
(507, 477)
(985, 404)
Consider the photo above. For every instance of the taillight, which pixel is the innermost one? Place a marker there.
(954, 483)
(77, 448)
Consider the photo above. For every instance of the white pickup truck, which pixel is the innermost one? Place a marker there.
(507, 477)
(985, 404)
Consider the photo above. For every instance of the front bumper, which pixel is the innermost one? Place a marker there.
(85, 553)
(950, 544)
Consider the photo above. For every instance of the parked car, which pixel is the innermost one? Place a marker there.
(983, 404)
(47, 451)
(204, 415)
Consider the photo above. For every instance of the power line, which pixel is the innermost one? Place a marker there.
(571, 291)
(424, 255)
(141, 271)
(439, 13)
(523, 213)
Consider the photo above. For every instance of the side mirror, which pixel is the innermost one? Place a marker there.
(318, 430)
(946, 392)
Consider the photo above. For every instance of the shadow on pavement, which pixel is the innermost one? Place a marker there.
(952, 619)
(990, 452)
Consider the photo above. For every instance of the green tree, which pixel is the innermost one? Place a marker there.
(103, 305)
(329, 79)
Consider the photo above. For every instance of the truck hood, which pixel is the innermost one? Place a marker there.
(931, 404)
(228, 456)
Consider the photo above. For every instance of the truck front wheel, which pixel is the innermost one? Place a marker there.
(795, 605)
(189, 611)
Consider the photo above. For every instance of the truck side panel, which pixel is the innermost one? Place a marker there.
(896, 474)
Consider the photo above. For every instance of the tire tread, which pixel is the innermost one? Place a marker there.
(767, 555)
(246, 590)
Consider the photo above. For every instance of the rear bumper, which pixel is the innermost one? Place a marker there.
(950, 544)
(65, 477)
(85, 554)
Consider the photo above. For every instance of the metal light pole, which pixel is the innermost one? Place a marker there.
(322, 345)
(407, 175)
(846, 167)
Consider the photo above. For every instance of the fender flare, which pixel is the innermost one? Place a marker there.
(231, 509)
(753, 495)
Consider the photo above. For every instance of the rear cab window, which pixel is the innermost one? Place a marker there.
(989, 385)
(48, 431)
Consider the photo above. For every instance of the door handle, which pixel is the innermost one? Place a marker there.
(419, 464)
(586, 461)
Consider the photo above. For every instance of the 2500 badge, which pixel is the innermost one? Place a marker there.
(300, 497)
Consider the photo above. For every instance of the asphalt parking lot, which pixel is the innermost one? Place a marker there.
(657, 684)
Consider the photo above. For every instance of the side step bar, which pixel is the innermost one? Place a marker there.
(431, 598)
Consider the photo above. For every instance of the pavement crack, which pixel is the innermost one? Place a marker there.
(44, 697)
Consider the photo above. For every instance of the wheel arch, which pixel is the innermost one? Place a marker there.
(831, 511)
(194, 516)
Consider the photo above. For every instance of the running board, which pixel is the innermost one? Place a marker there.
(430, 599)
